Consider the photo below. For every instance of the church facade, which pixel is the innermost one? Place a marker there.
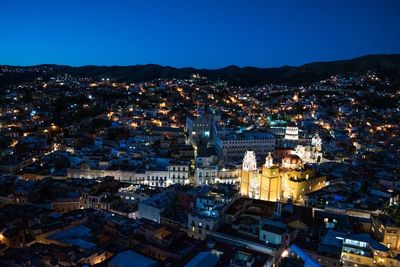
(273, 182)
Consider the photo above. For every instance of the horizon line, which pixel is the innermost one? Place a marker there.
(201, 68)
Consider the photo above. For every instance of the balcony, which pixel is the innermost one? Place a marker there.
(357, 251)
(357, 259)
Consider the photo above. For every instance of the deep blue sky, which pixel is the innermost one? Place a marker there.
(202, 33)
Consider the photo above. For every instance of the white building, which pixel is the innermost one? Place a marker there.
(215, 174)
(229, 175)
(311, 153)
(308, 154)
(156, 178)
(206, 174)
(292, 133)
(178, 173)
(316, 142)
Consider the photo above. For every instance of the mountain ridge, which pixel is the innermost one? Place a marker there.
(247, 76)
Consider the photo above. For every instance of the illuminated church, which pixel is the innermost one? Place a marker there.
(290, 180)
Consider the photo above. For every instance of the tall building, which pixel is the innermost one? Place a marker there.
(232, 147)
(200, 129)
(290, 180)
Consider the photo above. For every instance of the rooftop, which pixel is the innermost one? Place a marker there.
(129, 257)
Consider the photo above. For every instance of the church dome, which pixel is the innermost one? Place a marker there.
(292, 162)
(292, 159)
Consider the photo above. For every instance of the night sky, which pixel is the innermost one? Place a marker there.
(205, 34)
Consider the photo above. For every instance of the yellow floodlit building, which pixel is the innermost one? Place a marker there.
(273, 182)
